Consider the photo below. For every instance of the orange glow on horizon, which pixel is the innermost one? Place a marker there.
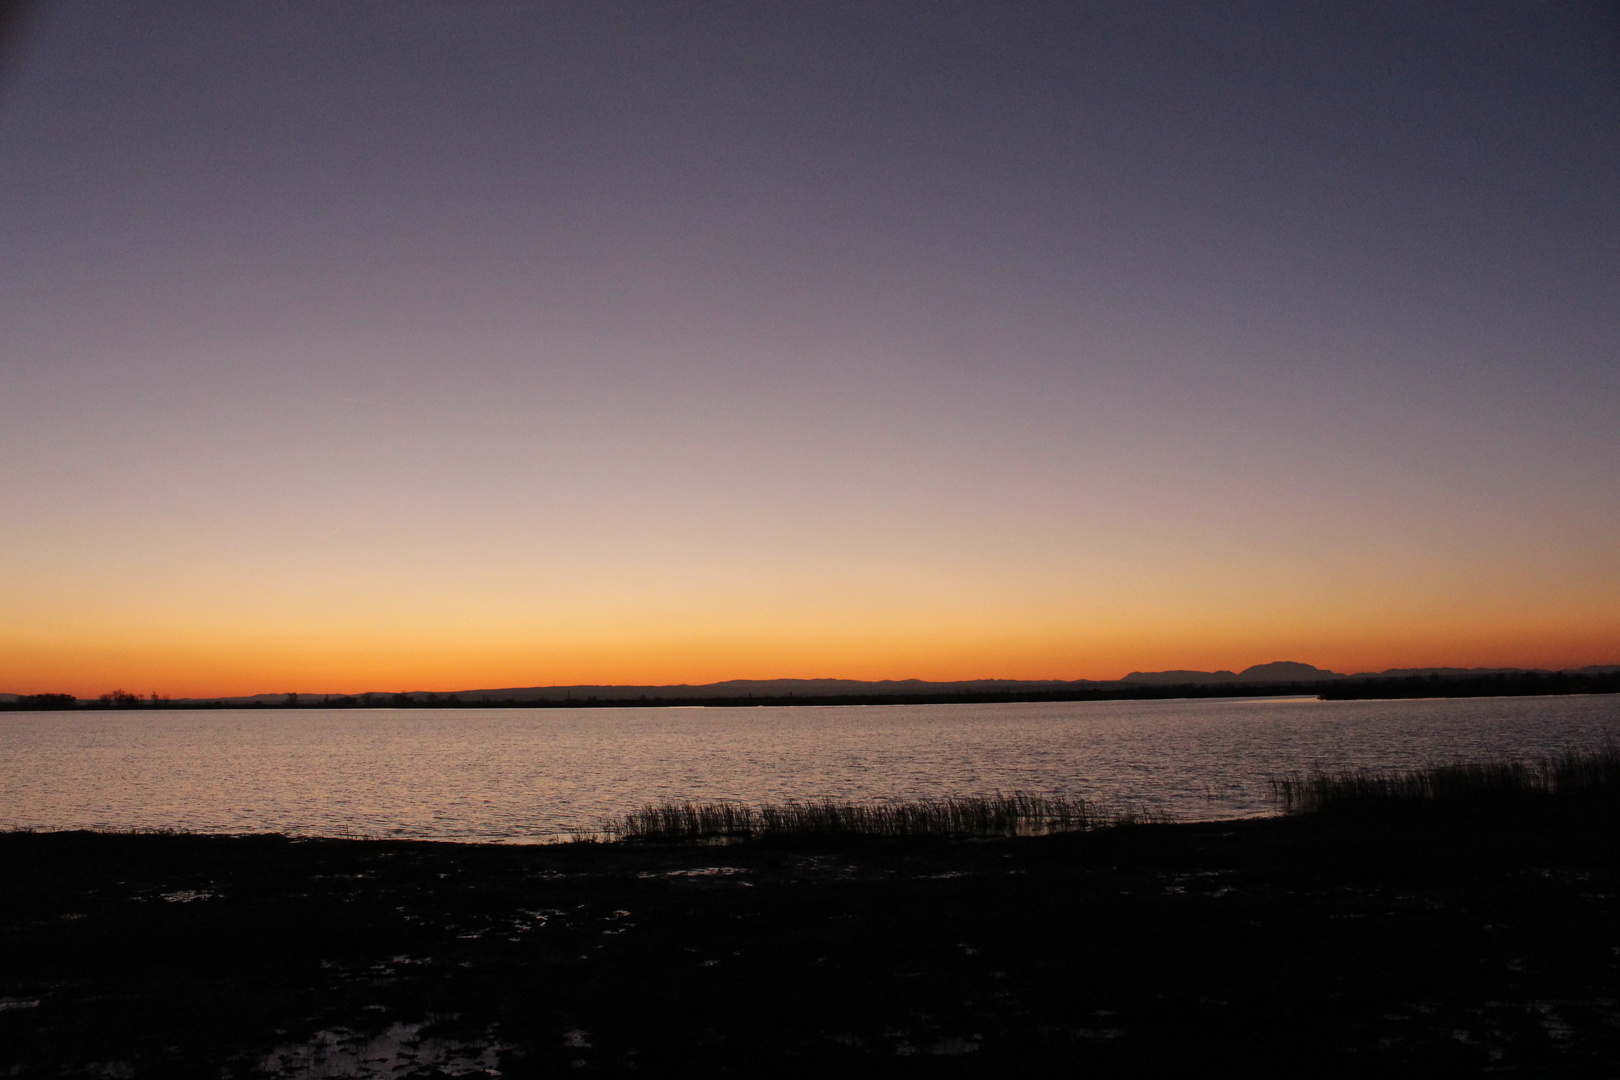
(375, 618)
(526, 356)
(240, 667)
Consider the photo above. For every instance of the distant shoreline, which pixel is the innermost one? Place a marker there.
(1509, 684)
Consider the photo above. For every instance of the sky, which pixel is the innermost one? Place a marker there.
(427, 346)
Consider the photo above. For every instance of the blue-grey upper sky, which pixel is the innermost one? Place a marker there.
(629, 342)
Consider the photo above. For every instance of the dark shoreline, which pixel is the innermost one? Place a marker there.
(1518, 684)
(1437, 938)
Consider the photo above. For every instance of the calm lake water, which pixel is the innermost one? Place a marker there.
(520, 774)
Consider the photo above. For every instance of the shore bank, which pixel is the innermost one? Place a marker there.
(1404, 937)
(1514, 683)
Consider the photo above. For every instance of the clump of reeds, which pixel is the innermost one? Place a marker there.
(1016, 814)
(1576, 771)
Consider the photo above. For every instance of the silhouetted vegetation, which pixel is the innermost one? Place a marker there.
(123, 699)
(42, 702)
(1017, 814)
(1413, 943)
(1574, 773)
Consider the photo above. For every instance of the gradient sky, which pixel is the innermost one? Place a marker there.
(354, 346)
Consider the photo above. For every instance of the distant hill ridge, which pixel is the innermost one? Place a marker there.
(1275, 672)
(1293, 671)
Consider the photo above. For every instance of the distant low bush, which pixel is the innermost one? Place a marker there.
(44, 702)
(1594, 771)
(1017, 814)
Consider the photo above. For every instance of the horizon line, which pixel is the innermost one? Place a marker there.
(1161, 677)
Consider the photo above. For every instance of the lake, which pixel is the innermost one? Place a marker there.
(532, 774)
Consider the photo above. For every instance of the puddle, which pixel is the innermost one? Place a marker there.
(952, 1046)
(186, 896)
(701, 871)
(401, 1050)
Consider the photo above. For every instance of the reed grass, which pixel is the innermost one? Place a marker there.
(1016, 814)
(1573, 772)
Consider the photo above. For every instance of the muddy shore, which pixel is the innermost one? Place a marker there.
(1440, 940)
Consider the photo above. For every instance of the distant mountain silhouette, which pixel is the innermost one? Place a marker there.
(1285, 671)
(742, 688)
(1179, 677)
(1293, 671)
(1276, 671)
(731, 688)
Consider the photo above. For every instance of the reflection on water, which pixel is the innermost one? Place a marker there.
(521, 774)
